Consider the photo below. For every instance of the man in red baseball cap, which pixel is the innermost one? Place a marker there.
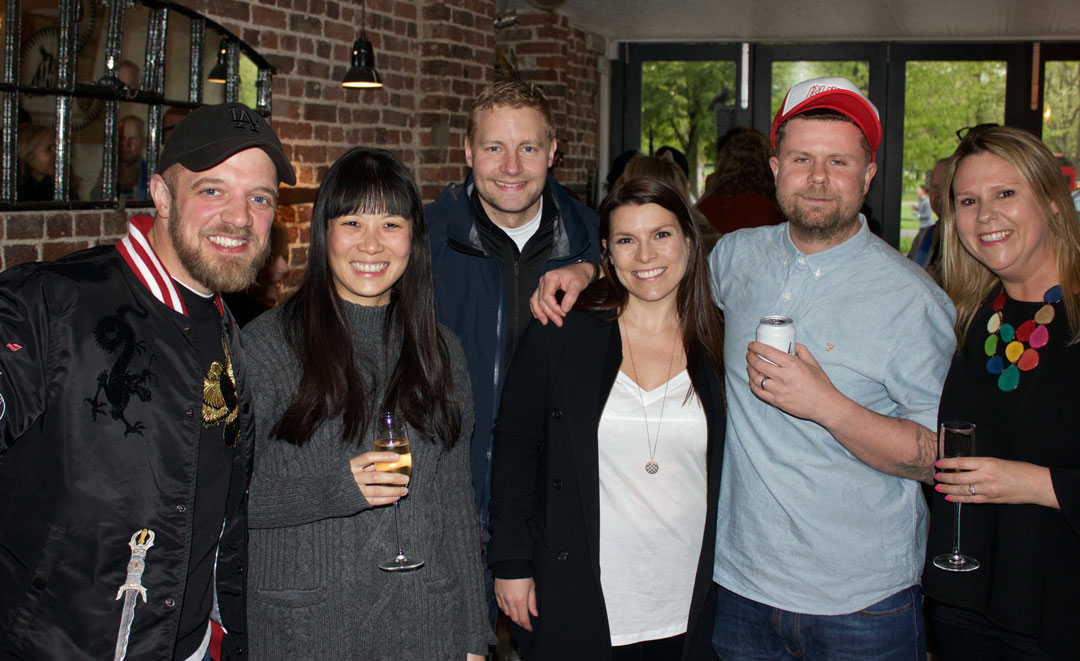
(821, 536)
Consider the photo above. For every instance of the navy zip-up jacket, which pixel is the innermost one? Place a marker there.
(470, 298)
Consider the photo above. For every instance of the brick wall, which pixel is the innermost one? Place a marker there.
(545, 49)
(434, 58)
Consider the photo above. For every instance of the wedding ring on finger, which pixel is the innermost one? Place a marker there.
(763, 380)
(971, 489)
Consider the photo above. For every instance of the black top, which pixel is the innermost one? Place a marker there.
(520, 269)
(1030, 555)
(99, 440)
(31, 190)
(217, 438)
(545, 503)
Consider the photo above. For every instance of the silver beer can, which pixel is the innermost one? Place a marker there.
(777, 332)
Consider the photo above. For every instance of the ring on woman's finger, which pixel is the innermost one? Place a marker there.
(971, 489)
(763, 380)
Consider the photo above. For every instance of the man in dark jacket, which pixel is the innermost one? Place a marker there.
(492, 240)
(125, 417)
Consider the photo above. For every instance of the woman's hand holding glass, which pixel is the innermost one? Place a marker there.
(379, 487)
(995, 481)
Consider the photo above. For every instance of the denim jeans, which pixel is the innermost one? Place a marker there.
(890, 630)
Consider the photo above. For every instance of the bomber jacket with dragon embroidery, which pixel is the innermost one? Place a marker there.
(101, 399)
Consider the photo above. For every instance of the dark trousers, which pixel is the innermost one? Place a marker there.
(960, 635)
(663, 649)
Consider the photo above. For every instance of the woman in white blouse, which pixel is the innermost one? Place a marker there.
(608, 448)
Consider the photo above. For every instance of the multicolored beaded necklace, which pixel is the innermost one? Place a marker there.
(1033, 332)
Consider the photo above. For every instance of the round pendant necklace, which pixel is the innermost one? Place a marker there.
(1033, 333)
(651, 467)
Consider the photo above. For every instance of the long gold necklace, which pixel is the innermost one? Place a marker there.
(651, 467)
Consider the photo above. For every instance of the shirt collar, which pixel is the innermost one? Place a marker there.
(821, 263)
(140, 257)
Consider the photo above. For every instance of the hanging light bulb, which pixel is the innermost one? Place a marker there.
(220, 72)
(362, 72)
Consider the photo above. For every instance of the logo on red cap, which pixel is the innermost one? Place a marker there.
(818, 89)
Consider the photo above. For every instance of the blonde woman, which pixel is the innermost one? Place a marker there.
(1012, 266)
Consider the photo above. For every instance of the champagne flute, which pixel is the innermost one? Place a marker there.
(390, 437)
(957, 439)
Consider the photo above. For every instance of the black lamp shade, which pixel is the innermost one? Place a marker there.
(220, 71)
(362, 73)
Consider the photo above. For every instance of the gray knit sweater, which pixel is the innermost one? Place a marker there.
(314, 588)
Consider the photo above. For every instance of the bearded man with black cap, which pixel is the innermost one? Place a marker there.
(125, 417)
(822, 524)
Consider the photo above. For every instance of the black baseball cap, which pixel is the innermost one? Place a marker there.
(211, 134)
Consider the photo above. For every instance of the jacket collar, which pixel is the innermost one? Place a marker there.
(462, 233)
(136, 250)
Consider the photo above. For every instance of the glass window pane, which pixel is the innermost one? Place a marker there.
(133, 47)
(1061, 107)
(86, 151)
(786, 74)
(675, 98)
(212, 92)
(40, 43)
(37, 162)
(249, 75)
(940, 98)
(177, 56)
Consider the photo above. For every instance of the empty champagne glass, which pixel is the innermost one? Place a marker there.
(390, 437)
(956, 439)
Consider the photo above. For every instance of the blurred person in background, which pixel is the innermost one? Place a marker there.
(742, 190)
(37, 162)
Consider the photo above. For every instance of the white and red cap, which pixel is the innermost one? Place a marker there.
(838, 94)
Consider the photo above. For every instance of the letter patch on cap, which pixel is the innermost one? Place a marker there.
(241, 120)
(14, 347)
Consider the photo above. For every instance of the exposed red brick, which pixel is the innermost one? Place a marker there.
(88, 224)
(53, 250)
(267, 17)
(114, 223)
(20, 253)
(304, 23)
(25, 226)
(59, 226)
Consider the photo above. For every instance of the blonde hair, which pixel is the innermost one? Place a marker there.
(31, 138)
(660, 167)
(512, 93)
(968, 281)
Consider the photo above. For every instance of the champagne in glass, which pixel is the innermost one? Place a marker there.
(390, 437)
(956, 439)
(401, 447)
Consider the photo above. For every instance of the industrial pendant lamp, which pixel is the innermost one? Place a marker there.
(220, 71)
(362, 72)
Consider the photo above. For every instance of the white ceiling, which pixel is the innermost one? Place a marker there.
(811, 20)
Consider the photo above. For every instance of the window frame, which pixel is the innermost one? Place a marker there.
(109, 90)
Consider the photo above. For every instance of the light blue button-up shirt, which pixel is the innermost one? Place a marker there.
(803, 524)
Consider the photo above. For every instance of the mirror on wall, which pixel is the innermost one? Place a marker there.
(85, 136)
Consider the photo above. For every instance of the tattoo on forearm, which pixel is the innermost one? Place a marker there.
(922, 466)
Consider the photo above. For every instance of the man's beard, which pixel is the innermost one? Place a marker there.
(225, 274)
(819, 225)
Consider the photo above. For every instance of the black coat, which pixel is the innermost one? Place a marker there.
(103, 388)
(545, 507)
(470, 298)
